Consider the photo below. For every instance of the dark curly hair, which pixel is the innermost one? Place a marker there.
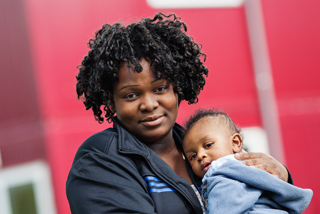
(172, 54)
(201, 113)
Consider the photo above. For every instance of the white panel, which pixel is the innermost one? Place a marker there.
(193, 3)
(36, 173)
(255, 139)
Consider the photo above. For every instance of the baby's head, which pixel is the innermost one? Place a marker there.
(210, 134)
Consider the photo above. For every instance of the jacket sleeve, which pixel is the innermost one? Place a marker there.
(290, 180)
(100, 183)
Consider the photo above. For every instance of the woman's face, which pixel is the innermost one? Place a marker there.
(145, 106)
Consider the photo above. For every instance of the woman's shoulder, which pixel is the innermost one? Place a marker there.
(96, 143)
(101, 136)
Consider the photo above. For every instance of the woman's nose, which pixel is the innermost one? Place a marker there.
(149, 102)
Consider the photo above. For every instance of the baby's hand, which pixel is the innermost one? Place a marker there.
(264, 162)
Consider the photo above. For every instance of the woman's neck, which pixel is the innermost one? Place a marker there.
(164, 146)
(169, 152)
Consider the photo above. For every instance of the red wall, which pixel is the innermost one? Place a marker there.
(20, 130)
(59, 31)
(293, 34)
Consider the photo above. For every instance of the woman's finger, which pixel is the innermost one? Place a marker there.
(269, 169)
(264, 162)
(248, 155)
(251, 162)
(243, 151)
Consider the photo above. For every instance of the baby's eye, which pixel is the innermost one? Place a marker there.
(161, 88)
(193, 156)
(208, 145)
(130, 96)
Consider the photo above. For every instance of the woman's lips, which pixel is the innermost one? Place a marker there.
(205, 166)
(152, 120)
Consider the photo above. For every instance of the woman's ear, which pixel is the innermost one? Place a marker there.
(111, 101)
(113, 108)
(236, 143)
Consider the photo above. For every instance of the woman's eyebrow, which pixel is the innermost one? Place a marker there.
(156, 80)
(127, 86)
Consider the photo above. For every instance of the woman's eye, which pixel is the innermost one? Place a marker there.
(162, 88)
(208, 145)
(130, 96)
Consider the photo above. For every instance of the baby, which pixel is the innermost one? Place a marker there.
(229, 186)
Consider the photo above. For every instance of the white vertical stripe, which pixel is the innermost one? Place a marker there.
(263, 75)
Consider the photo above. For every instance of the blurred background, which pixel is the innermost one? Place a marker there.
(263, 58)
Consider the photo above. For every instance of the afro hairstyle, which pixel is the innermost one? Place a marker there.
(162, 41)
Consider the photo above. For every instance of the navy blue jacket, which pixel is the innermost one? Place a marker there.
(113, 172)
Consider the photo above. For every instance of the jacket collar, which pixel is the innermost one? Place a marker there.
(130, 144)
(127, 143)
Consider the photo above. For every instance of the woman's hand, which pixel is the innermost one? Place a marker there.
(264, 162)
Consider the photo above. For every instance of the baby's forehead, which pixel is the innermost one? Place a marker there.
(216, 123)
(206, 127)
(219, 123)
(215, 120)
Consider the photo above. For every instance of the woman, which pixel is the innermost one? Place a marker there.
(141, 73)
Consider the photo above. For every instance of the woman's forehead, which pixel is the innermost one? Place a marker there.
(128, 77)
(126, 73)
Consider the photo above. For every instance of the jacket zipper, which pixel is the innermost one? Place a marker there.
(164, 178)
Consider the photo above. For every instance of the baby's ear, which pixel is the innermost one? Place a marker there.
(236, 143)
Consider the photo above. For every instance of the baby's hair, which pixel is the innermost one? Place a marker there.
(162, 41)
(223, 117)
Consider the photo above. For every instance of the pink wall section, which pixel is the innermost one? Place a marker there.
(59, 31)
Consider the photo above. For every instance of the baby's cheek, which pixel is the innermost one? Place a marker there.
(194, 169)
(197, 170)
